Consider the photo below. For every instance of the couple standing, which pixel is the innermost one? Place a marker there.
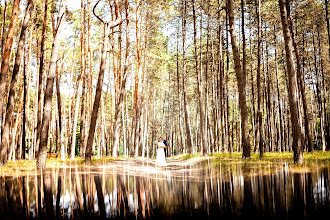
(160, 158)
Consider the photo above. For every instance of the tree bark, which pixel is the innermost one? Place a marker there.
(301, 86)
(199, 86)
(82, 144)
(185, 101)
(292, 85)
(241, 83)
(6, 53)
(3, 29)
(119, 102)
(12, 89)
(40, 78)
(107, 27)
(259, 95)
(41, 160)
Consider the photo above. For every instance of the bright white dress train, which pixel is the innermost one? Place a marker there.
(160, 158)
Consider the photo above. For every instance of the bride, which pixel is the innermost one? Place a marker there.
(160, 159)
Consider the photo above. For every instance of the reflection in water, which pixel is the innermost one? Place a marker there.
(138, 189)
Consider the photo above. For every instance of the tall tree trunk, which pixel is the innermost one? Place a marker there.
(184, 75)
(83, 98)
(6, 53)
(12, 90)
(41, 160)
(328, 24)
(98, 94)
(199, 87)
(323, 117)
(107, 27)
(206, 87)
(281, 147)
(22, 156)
(3, 29)
(259, 95)
(301, 85)
(292, 85)
(40, 77)
(119, 102)
(121, 88)
(136, 99)
(241, 83)
(59, 111)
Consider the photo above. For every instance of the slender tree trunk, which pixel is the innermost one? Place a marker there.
(82, 141)
(40, 78)
(22, 156)
(98, 94)
(41, 160)
(119, 102)
(107, 27)
(301, 86)
(292, 86)
(12, 90)
(259, 96)
(59, 111)
(136, 101)
(184, 75)
(178, 85)
(199, 86)
(328, 24)
(281, 147)
(241, 83)
(6, 54)
(3, 29)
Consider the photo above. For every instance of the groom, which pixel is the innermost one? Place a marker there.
(165, 143)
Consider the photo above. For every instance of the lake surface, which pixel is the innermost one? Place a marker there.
(133, 189)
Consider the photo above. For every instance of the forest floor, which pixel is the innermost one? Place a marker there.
(315, 159)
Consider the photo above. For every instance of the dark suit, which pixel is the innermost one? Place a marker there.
(165, 143)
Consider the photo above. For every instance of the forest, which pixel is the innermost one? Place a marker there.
(97, 78)
(173, 109)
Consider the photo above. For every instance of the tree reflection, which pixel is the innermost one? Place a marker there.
(133, 190)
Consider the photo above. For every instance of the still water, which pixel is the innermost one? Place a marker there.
(138, 189)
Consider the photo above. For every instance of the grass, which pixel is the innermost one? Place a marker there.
(20, 167)
(185, 156)
(311, 161)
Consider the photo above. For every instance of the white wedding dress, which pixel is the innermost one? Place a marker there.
(160, 158)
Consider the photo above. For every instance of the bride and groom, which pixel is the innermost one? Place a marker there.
(160, 158)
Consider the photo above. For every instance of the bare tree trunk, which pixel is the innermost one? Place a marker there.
(40, 78)
(82, 141)
(301, 86)
(98, 94)
(292, 86)
(199, 87)
(22, 156)
(184, 75)
(119, 102)
(328, 24)
(41, 160)
(3, 29)
(281, 148)
(241, 83)
(6, 54)
(260, 100)
(12, 90)
(137, 110)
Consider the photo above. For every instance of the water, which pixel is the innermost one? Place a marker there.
(138, 189)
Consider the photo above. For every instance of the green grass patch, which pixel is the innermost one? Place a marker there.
(185, 156)
(312, 160)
